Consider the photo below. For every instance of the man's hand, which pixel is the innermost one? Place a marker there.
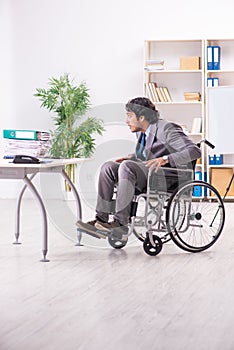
(120, 160)
(155, 164)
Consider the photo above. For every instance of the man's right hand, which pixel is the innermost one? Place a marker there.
(120, 160)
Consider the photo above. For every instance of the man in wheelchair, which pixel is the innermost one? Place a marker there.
(159, 143)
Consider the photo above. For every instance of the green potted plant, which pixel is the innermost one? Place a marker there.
(71, 138)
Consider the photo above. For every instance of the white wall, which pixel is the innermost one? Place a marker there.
(100, 42)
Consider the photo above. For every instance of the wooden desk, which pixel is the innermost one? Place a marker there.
(27, 172)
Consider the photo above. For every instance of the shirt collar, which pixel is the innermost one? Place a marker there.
(147, 132)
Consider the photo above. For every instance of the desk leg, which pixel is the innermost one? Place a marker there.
(78, 205)
(17, 219)
(30, 185)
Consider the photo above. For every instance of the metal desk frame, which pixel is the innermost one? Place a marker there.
(27, 172)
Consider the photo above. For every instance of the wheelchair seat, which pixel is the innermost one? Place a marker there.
(169, 179)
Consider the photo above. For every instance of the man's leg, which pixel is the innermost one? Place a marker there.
(108, 178)
(132, 175)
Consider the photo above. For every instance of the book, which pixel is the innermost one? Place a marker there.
(196, 125)
(157, 93)
(149, 92)
(154, 91)
(161, 88)
(167, 94)
(160, 95)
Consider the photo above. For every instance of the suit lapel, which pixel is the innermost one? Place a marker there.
(150, 139)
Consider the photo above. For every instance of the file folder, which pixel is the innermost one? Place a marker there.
(209, 82)
(209, 58)
(218, 159)
(212, 159)
(197, 190)
(26, 134)
(20, 134)
(216, 57)
(212, 82)
(205, 179)
(215, 82)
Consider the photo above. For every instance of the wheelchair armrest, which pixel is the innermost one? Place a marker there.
(167, 179)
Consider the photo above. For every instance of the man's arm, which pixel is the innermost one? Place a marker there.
(179, 149)
(182, 149)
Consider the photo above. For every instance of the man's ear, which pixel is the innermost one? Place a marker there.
(142, 118)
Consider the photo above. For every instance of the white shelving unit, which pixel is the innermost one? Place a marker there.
(226, 78)
(178, 81)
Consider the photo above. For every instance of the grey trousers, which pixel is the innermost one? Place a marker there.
(128, 176)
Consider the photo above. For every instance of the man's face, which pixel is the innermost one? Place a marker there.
(133, 123)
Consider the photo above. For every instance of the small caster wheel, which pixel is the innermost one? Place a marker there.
(152, 249)
(116, 243)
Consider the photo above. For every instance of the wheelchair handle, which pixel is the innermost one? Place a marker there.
(208, 143)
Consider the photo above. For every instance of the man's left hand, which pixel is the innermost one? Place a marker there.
(155, 164)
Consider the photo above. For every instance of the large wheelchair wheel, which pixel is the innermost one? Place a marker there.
(195, 223)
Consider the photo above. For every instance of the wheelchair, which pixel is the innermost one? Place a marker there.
(175, 207)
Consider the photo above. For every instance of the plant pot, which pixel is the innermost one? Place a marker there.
(71, 172)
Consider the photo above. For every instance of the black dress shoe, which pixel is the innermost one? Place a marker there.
(90, 228)
(113, 228)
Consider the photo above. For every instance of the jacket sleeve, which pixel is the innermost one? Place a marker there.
(181, 149)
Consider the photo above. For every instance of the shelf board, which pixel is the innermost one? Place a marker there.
(179, 103)
(163, 71)
(220, 71)
(227, 197)
(178, 41)
(221, 165)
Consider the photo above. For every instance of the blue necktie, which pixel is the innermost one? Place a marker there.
(142, 141)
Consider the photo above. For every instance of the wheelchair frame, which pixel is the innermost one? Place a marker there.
(193, 223)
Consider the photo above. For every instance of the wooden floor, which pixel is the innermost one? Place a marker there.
(95, 297)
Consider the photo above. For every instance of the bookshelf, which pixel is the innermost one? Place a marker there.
(171, 57)
(178, 81)
(221, 98)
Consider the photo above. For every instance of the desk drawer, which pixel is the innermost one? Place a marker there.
(10, 173)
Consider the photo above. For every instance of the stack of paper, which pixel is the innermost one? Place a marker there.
(26, 142)
(152, 65)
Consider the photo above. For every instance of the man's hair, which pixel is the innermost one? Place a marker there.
(143, 106)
